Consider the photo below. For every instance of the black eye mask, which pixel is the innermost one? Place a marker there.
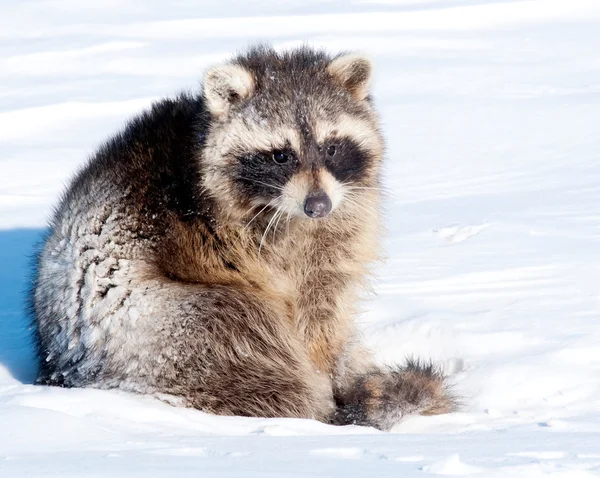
(345, 160)
(264, 174)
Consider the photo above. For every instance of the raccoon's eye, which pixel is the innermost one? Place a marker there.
(331, 149)
(280, 157)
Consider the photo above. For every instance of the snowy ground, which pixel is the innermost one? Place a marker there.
(491, 109)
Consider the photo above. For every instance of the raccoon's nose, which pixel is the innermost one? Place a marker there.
(317, 204)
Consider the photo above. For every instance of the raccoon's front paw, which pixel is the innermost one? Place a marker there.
(381, 397)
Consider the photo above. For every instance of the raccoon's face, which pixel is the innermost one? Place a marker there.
(292, 132)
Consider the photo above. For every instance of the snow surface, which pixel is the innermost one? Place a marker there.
(491, 109)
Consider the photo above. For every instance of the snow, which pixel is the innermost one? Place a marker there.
(491, 111)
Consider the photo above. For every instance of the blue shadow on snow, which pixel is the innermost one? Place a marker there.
(17, 248)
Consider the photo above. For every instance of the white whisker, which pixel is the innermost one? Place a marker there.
(289, 214)
(258, 213)
(266, 231)
(277, 223)
(279, 188)
(359, 206)
(351, 188)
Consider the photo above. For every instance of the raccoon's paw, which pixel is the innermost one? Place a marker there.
(381, 397)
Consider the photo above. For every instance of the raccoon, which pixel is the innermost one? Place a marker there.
(214, 251)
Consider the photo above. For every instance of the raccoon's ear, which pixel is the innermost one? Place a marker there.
(352, 72)
(224, 85)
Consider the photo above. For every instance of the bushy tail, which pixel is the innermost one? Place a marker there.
(382, 396)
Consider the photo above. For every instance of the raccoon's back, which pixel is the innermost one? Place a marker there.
(109, 219)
